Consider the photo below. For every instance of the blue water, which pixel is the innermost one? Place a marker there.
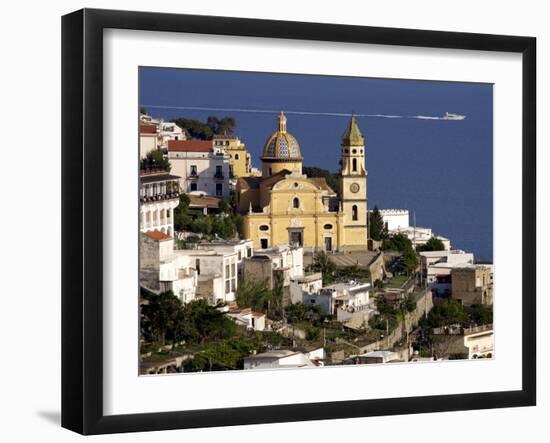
(440, 169)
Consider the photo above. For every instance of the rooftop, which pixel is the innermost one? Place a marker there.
(145, 128)
(157, 235)
(203, 201)
(157, 177)
(190, 145)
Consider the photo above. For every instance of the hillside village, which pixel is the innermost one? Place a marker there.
(260, 268)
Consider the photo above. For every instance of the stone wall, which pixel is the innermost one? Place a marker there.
(424, 304)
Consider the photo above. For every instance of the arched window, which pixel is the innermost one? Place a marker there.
(354, 212)
(236, 156)
(354, 165)
(296, 203)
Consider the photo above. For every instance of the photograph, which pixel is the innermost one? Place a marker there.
(291, 221)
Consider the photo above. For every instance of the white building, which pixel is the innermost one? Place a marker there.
(149, 139)
(374, 357)
(161, 269)
(436, 267)
(397, 222)
(159, 196)
(252, 320)
(480, 341)
(304, 285)
(202, 168)
(243, 248)
(348, 302)
(289, 258)
(395, 218)
(420, 236)
(217, 274)
(285, 358)
(351, 301)
(171, 131)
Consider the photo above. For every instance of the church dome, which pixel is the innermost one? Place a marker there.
(282, 145)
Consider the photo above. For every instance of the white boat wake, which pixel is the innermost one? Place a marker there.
(446, 116)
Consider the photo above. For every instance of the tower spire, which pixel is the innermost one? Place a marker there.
(352, 135)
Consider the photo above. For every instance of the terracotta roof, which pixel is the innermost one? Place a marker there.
(249, 182)
(322, 183)
(190, 145)
(157, 235)
(275, 178)
(203, 201)
(247, 311)
(147, 129)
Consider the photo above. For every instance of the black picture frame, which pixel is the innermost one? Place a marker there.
(82, 188)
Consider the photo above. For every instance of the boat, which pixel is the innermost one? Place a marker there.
(449, 116)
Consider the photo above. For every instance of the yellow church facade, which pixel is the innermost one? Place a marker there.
(284, 206)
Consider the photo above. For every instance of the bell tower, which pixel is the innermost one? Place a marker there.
(353, 186)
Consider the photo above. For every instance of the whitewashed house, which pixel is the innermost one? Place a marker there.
(285, 358)
(304, 285)
(203, 168)
(252, 320)
(217, 274)
(437, 267)
(159, 196)
(161, 269)
(149, 139)
(243, 248)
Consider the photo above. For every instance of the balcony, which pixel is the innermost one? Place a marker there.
(219, 176)
(159, 197)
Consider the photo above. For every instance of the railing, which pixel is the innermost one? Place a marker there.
(476, 329)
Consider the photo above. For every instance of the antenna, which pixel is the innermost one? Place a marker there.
(414, 230)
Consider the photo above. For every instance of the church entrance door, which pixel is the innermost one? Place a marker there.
(296, 237)
(328, 244)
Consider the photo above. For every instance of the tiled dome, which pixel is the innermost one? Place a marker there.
(281, 144)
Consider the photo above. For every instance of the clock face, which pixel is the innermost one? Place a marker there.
(354, 187)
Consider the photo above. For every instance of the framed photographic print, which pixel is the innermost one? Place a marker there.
(269, 221)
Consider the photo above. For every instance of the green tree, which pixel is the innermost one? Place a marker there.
(155, 160)
(409, 304)
(207, 322)
(224, 206)
(254, 294)
(480, 314)
(402, 244)
(433, 244)
(322, 263)
(447, 313)
(377, 228)
(205, 131)
(160, 313)
(298, 312)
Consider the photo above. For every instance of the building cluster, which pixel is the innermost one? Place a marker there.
(396, 221)
(285, 214)
(203, 167)
(455, 273)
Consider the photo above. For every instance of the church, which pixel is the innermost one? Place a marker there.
(284, 206)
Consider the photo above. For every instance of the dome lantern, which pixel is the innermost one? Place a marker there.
(281, 151)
